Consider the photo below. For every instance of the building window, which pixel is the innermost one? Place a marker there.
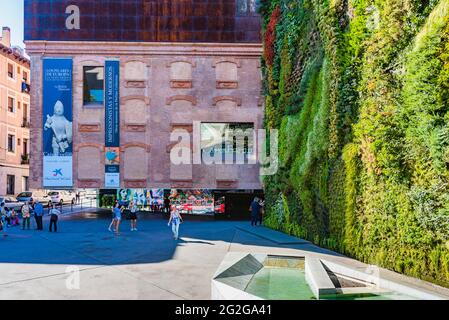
(25, 184)
(18, 71)
(11, 143)
(25, 146)
(10, 71)
(10, 104)
(247, 7)
(93, 84)
(26, 122)
(10, 184)
(25, 76)
(224, 141)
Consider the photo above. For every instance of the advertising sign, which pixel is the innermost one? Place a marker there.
(193, 201)
(112, 124)
(57, 123)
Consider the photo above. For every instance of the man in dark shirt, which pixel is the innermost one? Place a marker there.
(167, 205)
(38, 214)
(255, 211)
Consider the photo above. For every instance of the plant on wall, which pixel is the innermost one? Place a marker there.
(359, 91)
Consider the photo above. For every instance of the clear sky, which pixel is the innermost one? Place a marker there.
(11, 15)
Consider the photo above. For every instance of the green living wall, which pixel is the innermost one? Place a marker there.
(359, 91)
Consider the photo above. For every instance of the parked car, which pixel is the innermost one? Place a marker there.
(11, 203)
(60, 197)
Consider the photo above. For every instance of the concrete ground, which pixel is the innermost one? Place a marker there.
(148, 264)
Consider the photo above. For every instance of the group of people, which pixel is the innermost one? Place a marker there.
(117, 213)
(10, 218)
(257, 210)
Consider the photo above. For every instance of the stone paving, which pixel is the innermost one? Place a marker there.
(147, 264)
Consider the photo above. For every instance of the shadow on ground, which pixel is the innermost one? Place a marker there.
(83, 239)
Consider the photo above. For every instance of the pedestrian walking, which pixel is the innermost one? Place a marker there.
(255, 211)
(117, 218)
(78, 198)
(133, 215)
(54, 217)
(112, 224)
(175, 220)
(38, 215)
(26, 215)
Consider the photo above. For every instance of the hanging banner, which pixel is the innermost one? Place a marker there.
(112, 124)
(57, 123)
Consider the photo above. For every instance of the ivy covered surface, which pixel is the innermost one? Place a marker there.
(359, 91)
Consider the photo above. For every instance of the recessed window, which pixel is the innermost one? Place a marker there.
(11, 143)
(10, 184)
(221, 141)
(10, 104)
(93, 84)
(247, 7)
(10, 71)
(25, 76)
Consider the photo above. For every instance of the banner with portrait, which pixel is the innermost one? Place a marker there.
(57, 113)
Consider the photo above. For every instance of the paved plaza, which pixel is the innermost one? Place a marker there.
(148, 264)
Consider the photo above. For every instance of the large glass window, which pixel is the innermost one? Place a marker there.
(93, 84)
(227, 142)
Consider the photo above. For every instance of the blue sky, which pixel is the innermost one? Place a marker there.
(11, 15)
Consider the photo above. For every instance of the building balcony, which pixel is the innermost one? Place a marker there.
(25, 123)
(25, 159)
(25, 87)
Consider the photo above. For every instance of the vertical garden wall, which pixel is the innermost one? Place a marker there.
(359, 91)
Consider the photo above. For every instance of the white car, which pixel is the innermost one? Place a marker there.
(11, 203)
(60, 197)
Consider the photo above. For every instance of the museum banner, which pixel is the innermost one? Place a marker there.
(112, 124)
(57, 114)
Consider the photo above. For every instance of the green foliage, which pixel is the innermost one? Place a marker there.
(359, 91)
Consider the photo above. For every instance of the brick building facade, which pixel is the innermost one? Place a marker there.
(203, 65)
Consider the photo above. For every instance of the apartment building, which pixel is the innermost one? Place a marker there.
(14, 117)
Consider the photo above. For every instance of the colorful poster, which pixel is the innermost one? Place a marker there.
(112, 124)
(142, 197)
(193, 201)
(57, 123)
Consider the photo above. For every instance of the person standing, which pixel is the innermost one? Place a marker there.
(38, 215)
(78, 198)
(26, 215)
(54, 217)
(3, 220)
(167, 205)
(255, 211)
(133, 215)
(262, 211)
(175, 221)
